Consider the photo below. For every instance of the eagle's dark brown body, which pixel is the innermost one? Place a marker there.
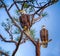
(44, 37)
(25, 21)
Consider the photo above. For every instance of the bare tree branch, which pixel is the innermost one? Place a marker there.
(4, 53)
(1, 6)
(9, 34)
(28, 4)
(45, 6)
(29, 37)
(16, 5)
(21, 1)
(8, 41)
(22, 5)
(24, 40)
(10, 6)
(14, 52)
(34, 20)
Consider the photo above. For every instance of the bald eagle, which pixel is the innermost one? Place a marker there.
(24, 21)
(44, 36)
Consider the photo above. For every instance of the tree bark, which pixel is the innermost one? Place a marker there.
(38, 48)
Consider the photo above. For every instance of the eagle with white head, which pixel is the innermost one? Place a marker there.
(44, 36)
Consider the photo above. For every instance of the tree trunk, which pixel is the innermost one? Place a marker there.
(38, 48)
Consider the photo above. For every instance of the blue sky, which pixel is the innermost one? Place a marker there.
(52, 22)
